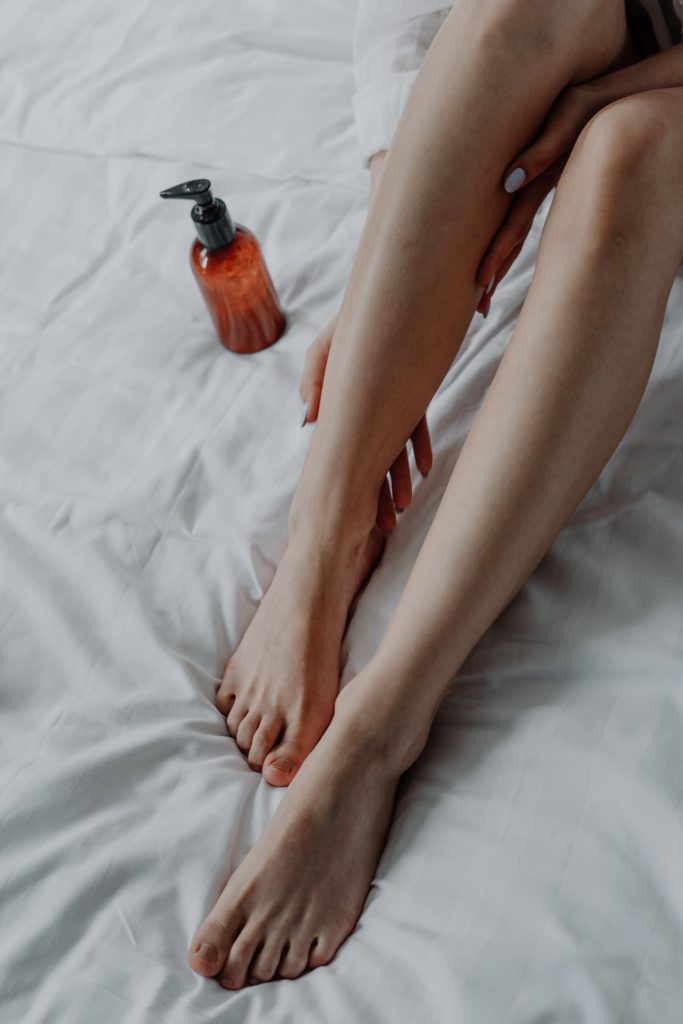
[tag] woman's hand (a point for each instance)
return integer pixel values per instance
(536, 170)
(391, 499)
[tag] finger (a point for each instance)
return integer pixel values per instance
(386, 515)
(555, 170)
(515, 227)
(557, 136)
(511, 234)
(313, 403)
(401, 485)
(509, 260)
(311, 384)
(422, 446)
(544, 184)
(484, 297)
(484, 304)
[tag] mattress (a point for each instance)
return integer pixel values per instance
(533, 869)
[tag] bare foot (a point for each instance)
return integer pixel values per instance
(300, 890)
(280, 685)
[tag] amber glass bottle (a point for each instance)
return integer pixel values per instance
(229, 268)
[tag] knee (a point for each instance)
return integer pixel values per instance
(539, 27)
(626, 164)
(639, 133)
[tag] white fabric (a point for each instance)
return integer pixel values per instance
(532, 873)
(391, 40)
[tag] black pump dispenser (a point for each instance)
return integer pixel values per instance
(212, 221)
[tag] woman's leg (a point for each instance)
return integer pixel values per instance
(492, 72)
(566, 388)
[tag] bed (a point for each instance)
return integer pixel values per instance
(533, 872)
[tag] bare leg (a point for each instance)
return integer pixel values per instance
(563, 395)
(566, 390)
(494, 69)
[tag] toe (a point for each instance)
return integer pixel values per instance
(321, 952)
(246, 730)
(211, 944)
(265, 962)
(227, 691)
(264, 738)
(295, 959)
(225, 698)
(237, 713)
(234, 973)
(284, 761)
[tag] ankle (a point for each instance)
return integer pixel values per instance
(390, 731)
(334, 521)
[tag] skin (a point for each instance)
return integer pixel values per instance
(564, 393)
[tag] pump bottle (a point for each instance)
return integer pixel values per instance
(229, 268)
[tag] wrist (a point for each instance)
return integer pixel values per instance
(661, 71)
(597, 94)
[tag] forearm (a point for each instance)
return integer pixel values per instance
(661, 71)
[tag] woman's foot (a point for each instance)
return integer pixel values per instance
(299, 892)
(280, 685)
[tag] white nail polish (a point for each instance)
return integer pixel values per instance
(490, 285)
(514, 179)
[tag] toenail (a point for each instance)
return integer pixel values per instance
(227, 983)
(282, 766)
(207, 952)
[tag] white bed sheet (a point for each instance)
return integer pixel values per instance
(533, 871)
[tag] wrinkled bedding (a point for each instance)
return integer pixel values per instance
(533, 871)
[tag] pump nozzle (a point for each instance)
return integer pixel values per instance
(199, 190)
(212, 221)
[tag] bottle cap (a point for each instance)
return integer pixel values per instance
(212, 221)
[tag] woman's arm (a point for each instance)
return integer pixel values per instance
(576, 105)
(662, 71)
(536, 170)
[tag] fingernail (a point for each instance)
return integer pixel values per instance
(486, 313)
(490, 285)
(208, 953)
(303, 422)
(514, 179)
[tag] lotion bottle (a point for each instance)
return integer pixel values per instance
(228, 266)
